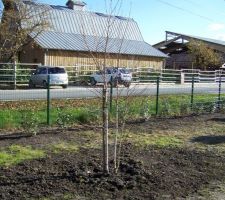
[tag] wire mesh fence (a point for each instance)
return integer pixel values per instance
(31, 109)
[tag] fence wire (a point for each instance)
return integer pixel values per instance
(27, 109)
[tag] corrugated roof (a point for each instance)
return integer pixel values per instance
(219, 42)
(78, 42)
(68, 28)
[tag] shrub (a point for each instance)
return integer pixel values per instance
(30, 122)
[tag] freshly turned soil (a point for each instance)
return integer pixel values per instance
(150, 173)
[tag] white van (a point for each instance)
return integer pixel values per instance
(118, 75)
(58, 77)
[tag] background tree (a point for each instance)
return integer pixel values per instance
(18, 22)
(203, 56)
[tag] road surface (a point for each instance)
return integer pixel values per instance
(90, 92)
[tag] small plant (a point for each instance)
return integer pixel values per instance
(87, 115)
(185, 109)
(212, 107)
(145, 111)
(83, 117)
(166, 109)
(63, 118)
(30, 122)
(198, 108)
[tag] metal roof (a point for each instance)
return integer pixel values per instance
(220, 42)
(68, 28)
(78, 42)
(189, 37)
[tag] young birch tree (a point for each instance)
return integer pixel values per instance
(102, 46)
(99, 51)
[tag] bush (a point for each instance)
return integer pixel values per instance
(30, 122)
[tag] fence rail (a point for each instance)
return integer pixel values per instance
(19, 73)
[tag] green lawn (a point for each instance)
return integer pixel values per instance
(28, 114)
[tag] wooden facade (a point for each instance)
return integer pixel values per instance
(88, 61)
(32, 53)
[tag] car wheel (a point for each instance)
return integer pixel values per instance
(115, 82)
(31, 84)
(127, 84)
(45, 84)
(93, 81)
(64, 86)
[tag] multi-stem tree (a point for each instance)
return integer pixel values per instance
(100, 53)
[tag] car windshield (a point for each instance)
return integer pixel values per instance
(57, 70)
(124, 71)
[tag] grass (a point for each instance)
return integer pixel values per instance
(178, 136)
(16, 154)
(67, 112)
(64, 147)
(9, 119)
(144, 140)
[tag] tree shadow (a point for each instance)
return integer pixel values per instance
(14, 136)
(217, 119)
(209, 139)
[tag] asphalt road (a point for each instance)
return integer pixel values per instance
(90, 92)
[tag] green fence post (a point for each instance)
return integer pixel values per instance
(48, 100)
(219, 92)
(192, 91)
(157, 96)
(111, 93)
(14, 74)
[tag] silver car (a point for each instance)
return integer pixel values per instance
(58, 77)
(117, 75)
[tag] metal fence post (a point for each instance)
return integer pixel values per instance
(157, 96)
(48, 100)
(14, 75)
(192, 91)
(219, 92)
(111, 94)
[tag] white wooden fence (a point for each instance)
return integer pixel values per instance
(19, 73)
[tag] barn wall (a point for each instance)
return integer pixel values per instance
(70, 58)
(184, 60)
(32, 54)
(179, 61)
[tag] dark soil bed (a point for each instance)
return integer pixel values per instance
(150, 173)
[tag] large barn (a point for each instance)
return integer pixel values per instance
(77, 37)
(175, 46)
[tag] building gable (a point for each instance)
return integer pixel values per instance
(80, 30)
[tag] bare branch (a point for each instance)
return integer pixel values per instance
(18, 22)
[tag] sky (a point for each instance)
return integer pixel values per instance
(204, 18)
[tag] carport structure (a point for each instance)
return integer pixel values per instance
(175, 46)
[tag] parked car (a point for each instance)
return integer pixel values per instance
(58, 77)
(116, 75)
(223, 66)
